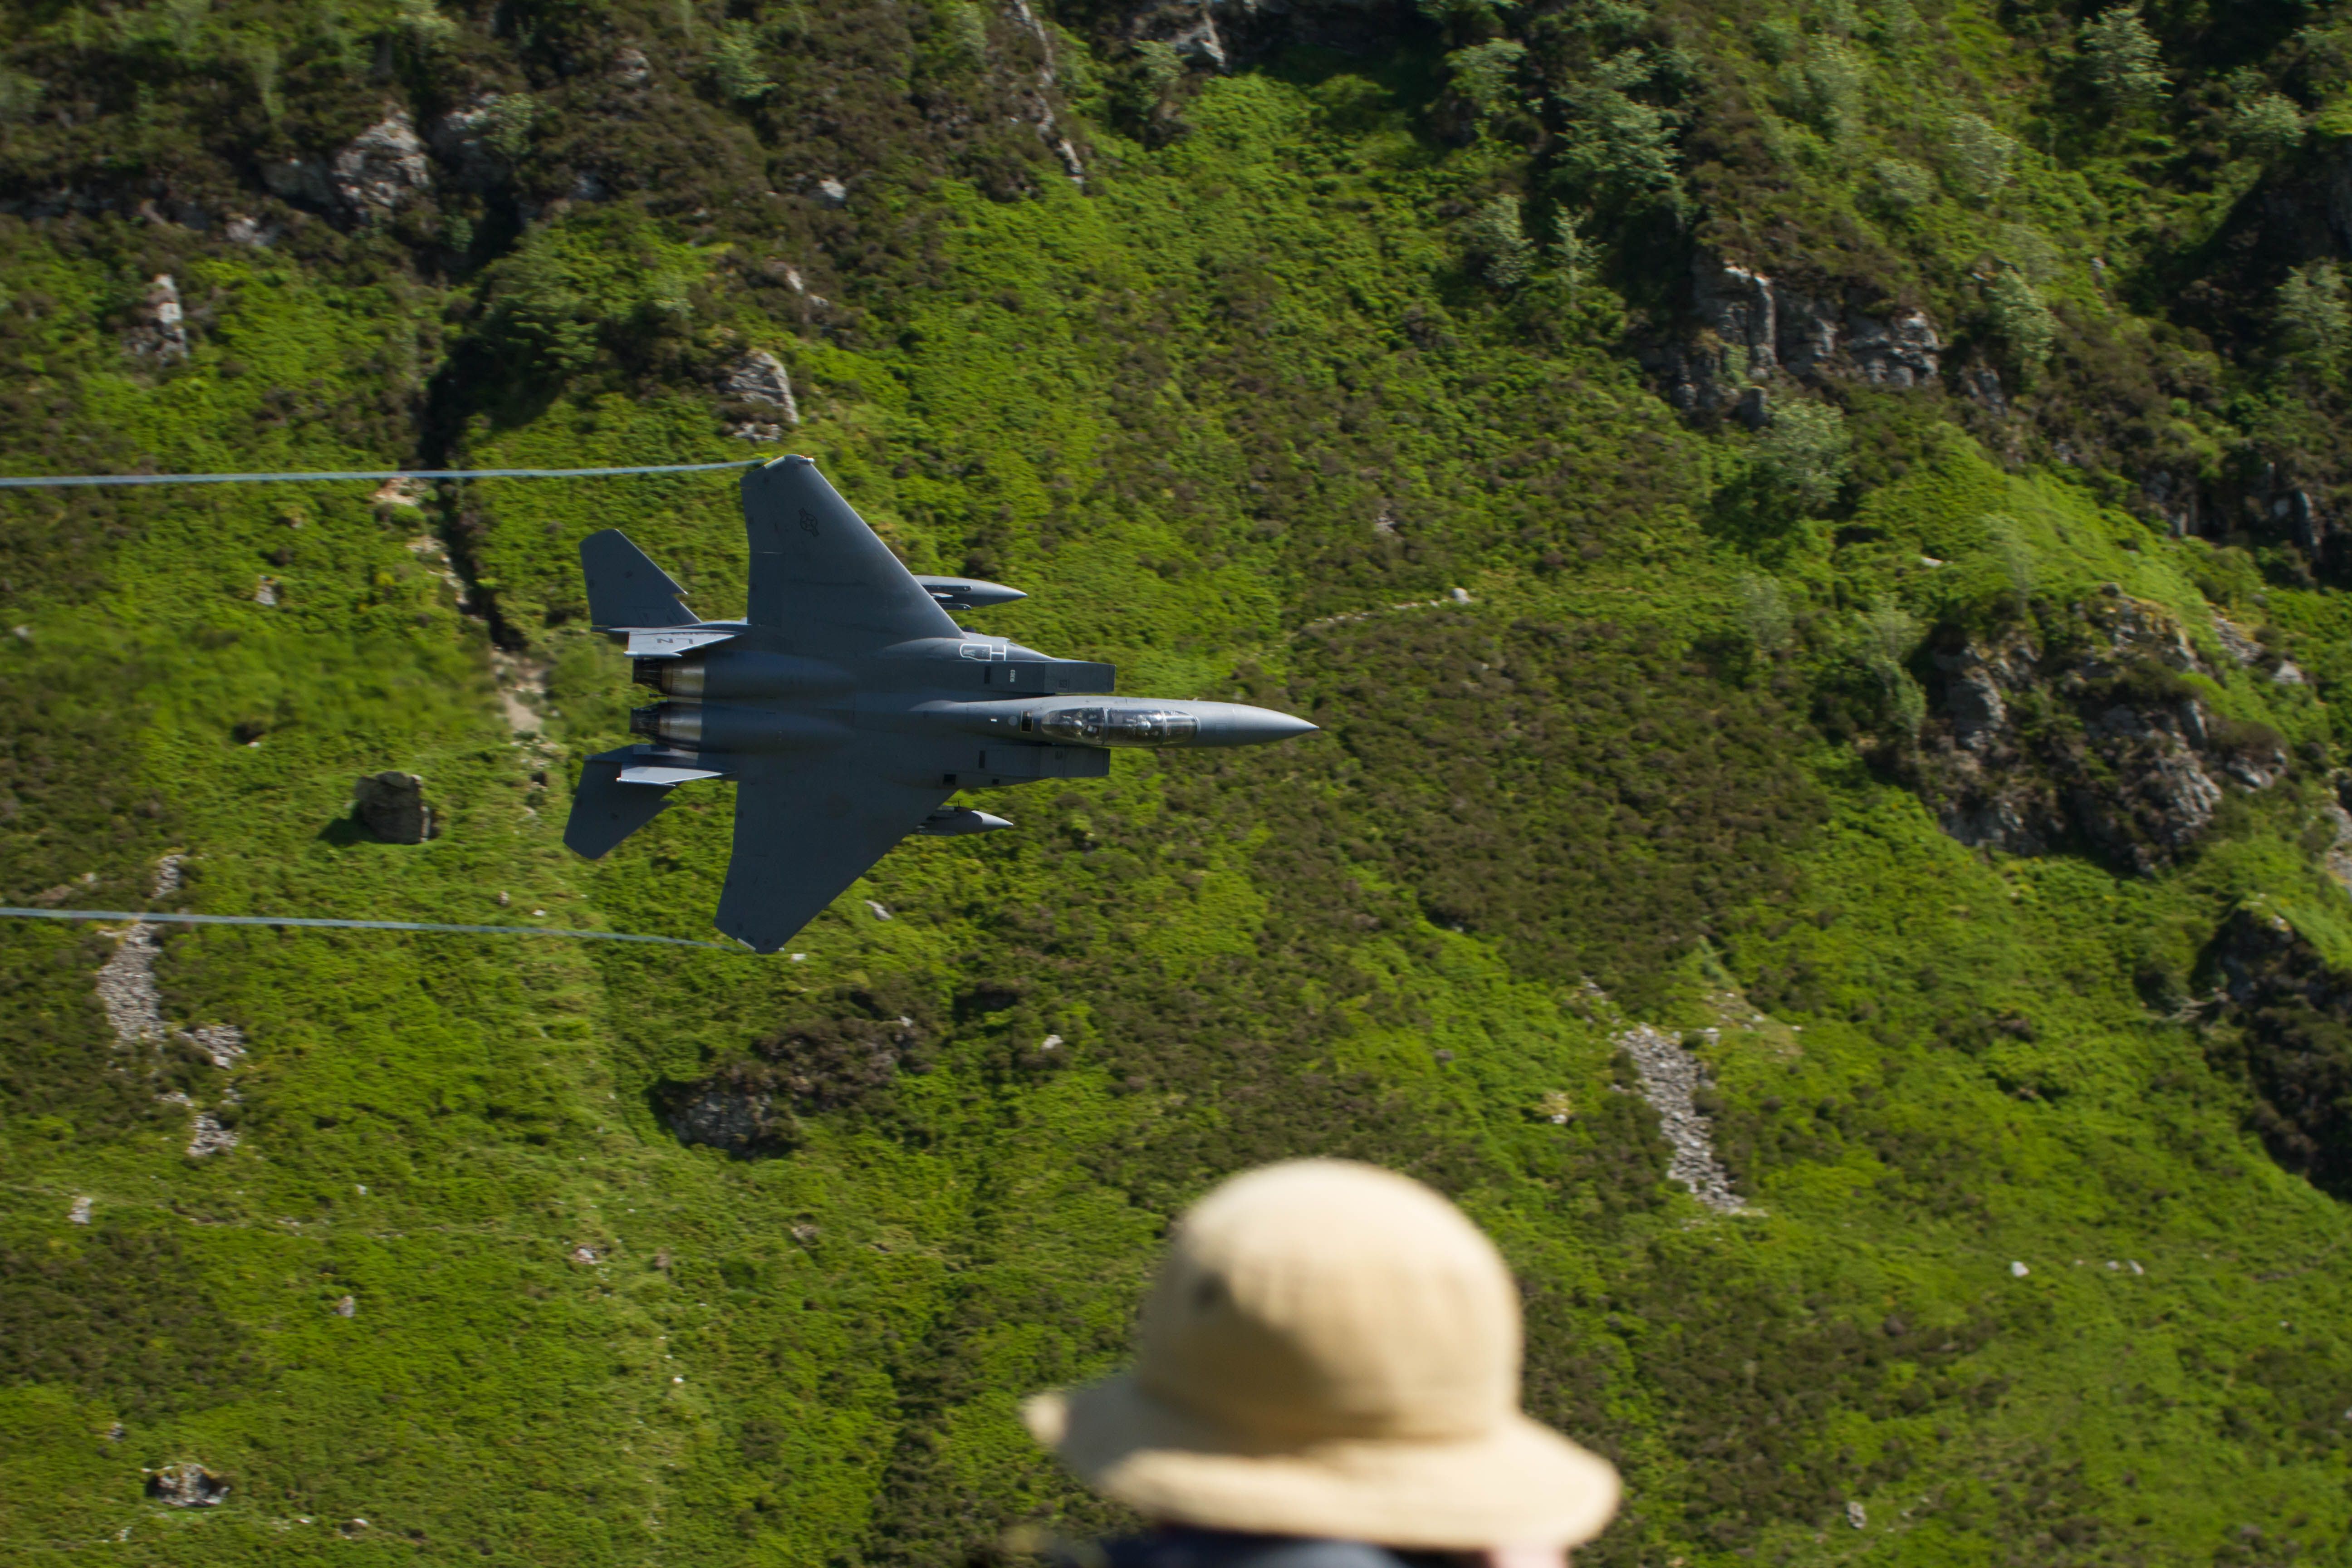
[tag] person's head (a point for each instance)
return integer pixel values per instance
(1331, 1349)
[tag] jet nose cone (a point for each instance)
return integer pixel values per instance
(1272, 726)
(1236, 725)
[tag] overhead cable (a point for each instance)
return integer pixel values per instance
(145, 918)
(71, 481)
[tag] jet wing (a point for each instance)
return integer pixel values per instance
(820, 575)
(805, 830)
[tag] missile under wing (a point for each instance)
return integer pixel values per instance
(847, 706)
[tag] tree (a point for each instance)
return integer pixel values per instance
(1804, 450)
(2008, 547)
(2121, 57)
(1575, 249)
(1764, 613)
(1486, 75)
(1498, 237)
(735, 64)
(1977, 156)
(2313, 317)
(1887, 636)
(2020, 317)
(1615, 144)
(2267, 125)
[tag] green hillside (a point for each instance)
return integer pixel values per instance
(1812, 532)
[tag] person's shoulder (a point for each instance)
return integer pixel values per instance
(1225, 1549)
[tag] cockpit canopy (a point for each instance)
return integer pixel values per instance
(1118, 727)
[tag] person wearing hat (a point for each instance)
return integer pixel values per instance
(1327, 1376)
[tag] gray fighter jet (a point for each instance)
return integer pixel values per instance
(847, 706)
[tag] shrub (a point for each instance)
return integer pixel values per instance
(20, 95)
(968, 30)
(422, 25)
(1161, 65)
(1826, 89)
(1887, 637)
(1901, 186)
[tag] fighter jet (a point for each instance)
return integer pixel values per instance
(846, 705)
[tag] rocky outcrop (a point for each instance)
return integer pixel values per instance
(2100, 744)
(392, 805)
(1753, 328)
(378, 172)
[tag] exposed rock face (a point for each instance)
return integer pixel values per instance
(392, 805)
(2031, 748)
(2285, 1030)
(1753, 328)
(161, 334)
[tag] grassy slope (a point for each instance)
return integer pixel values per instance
(1238, 954)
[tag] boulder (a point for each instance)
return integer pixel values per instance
(382, 168)
(186, 1485)
(391, 804)
(759, 377)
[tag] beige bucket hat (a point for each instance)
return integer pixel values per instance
(1331, 1349)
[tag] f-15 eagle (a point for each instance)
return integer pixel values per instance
(846, 705)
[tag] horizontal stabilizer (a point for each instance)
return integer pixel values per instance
(668, 643)
(625, 588)
(604, 810)
(664, 778)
